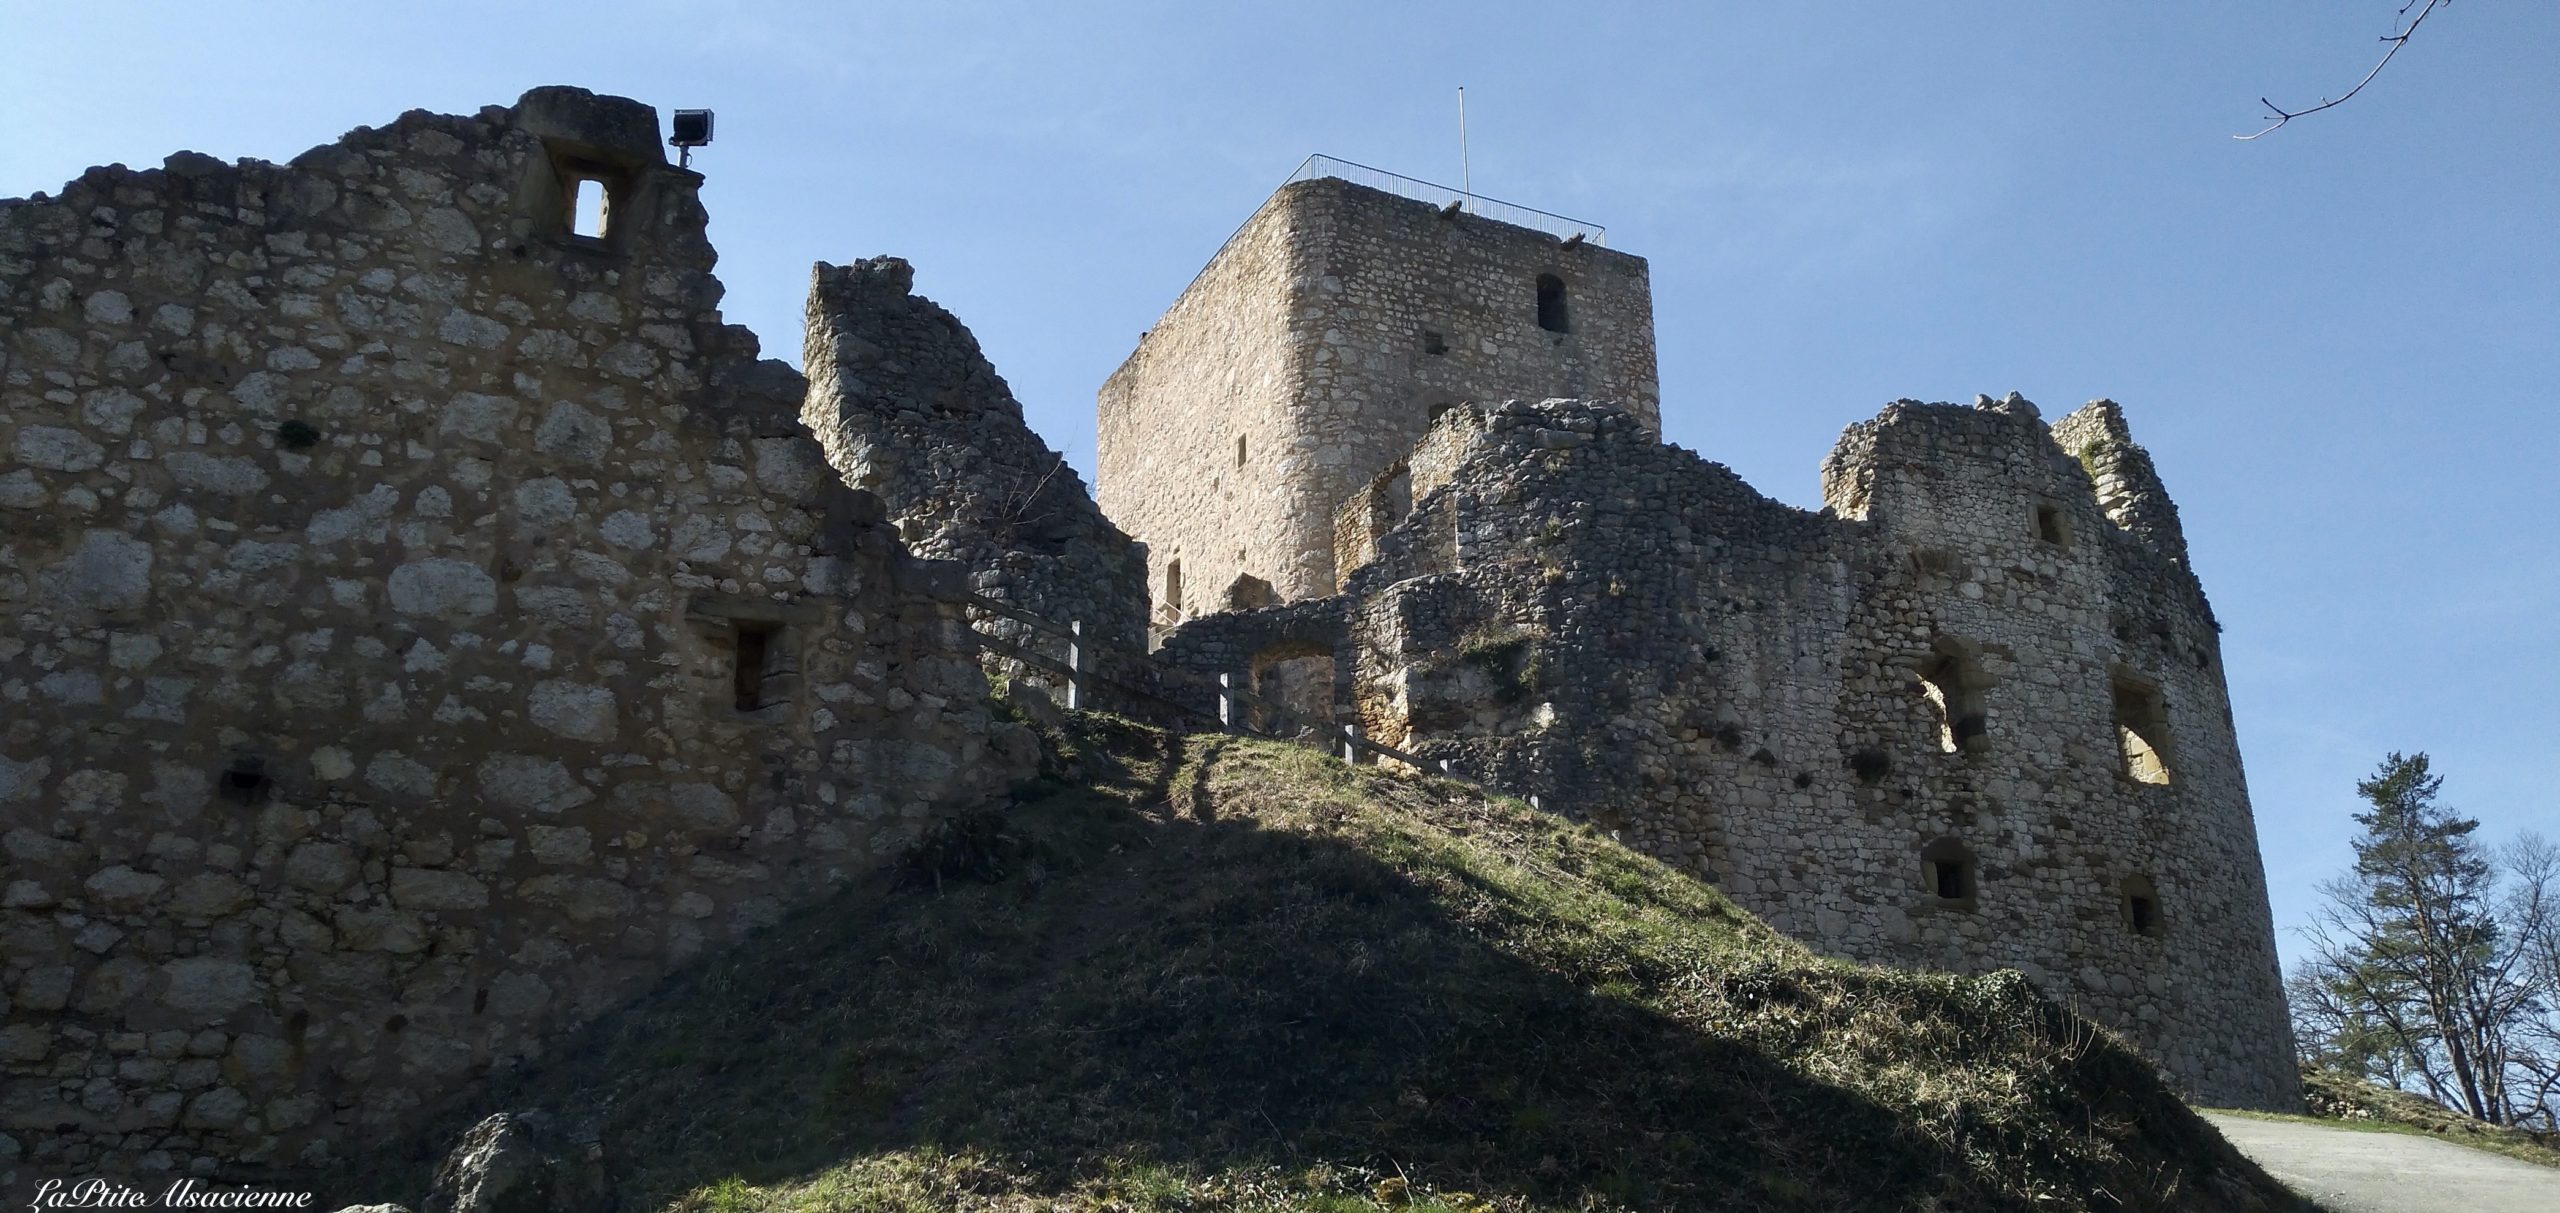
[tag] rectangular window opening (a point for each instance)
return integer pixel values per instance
(2146, 918)
(1434, 343)
(1955, 683)
(2051, 525)
(588, 208)
(1553, 313)
(2142, 731)
(1947, 867)
(753, 646)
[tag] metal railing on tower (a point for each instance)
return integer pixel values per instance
(1563, 227)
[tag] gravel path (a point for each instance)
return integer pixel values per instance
(2351, 1172)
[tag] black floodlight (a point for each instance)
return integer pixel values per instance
(692, 130)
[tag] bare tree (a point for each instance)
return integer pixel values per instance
(2532, 865)
(2399, 37)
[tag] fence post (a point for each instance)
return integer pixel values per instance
(1075, 665)
(1226, 703)
(1351, 743)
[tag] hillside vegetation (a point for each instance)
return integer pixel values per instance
(1210, 973)
(2337, 1098)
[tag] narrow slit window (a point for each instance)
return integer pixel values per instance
(2142, 731)
(1552, 315)
(1173, 591)
(1239, 450)
(752, 652)
(588, 208)
(2142, 906)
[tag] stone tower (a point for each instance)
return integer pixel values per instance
(1315, 349)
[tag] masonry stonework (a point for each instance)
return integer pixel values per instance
(1314, 350)
(1967, 717)
(426, 626)
(1970, 715)
(909, 409)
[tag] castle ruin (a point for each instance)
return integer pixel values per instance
(1314, 350)
(1970, 715)
(428, 624)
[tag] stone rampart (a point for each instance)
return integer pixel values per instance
(427, 624)
(1962, 720)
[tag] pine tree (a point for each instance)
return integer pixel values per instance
(2424, 969)
(2430, 939)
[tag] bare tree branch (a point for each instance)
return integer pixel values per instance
(2397, 40)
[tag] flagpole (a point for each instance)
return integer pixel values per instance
(1466, 181)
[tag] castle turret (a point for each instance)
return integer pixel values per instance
(1315, 349)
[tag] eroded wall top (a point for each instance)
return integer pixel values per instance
(1972, 715)
(910, 410)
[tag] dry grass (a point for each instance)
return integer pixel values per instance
(2345, 1102)
(1193, 973)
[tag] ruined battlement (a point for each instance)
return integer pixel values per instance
(428, 624)
(909, 409)
(1968, 716)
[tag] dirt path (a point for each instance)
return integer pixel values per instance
(2352, 1172)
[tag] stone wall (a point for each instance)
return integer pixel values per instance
(1315, 349)
(426, 625)
(1919, 729)
(1291, 656)
(1180, 423)
(909, 409)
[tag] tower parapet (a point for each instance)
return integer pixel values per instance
(1311, 354)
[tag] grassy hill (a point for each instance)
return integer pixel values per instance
(1210, 973)
(2346, 1101)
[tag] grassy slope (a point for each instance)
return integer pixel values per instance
(1209, 973)
(2346, 1102)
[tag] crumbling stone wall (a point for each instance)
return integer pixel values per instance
(1294, 656)
(2129, 488)
(426, 625)
(1902, 730)
(1315, 349)
(909, 409)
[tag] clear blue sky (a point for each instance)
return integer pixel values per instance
(2341, 342)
